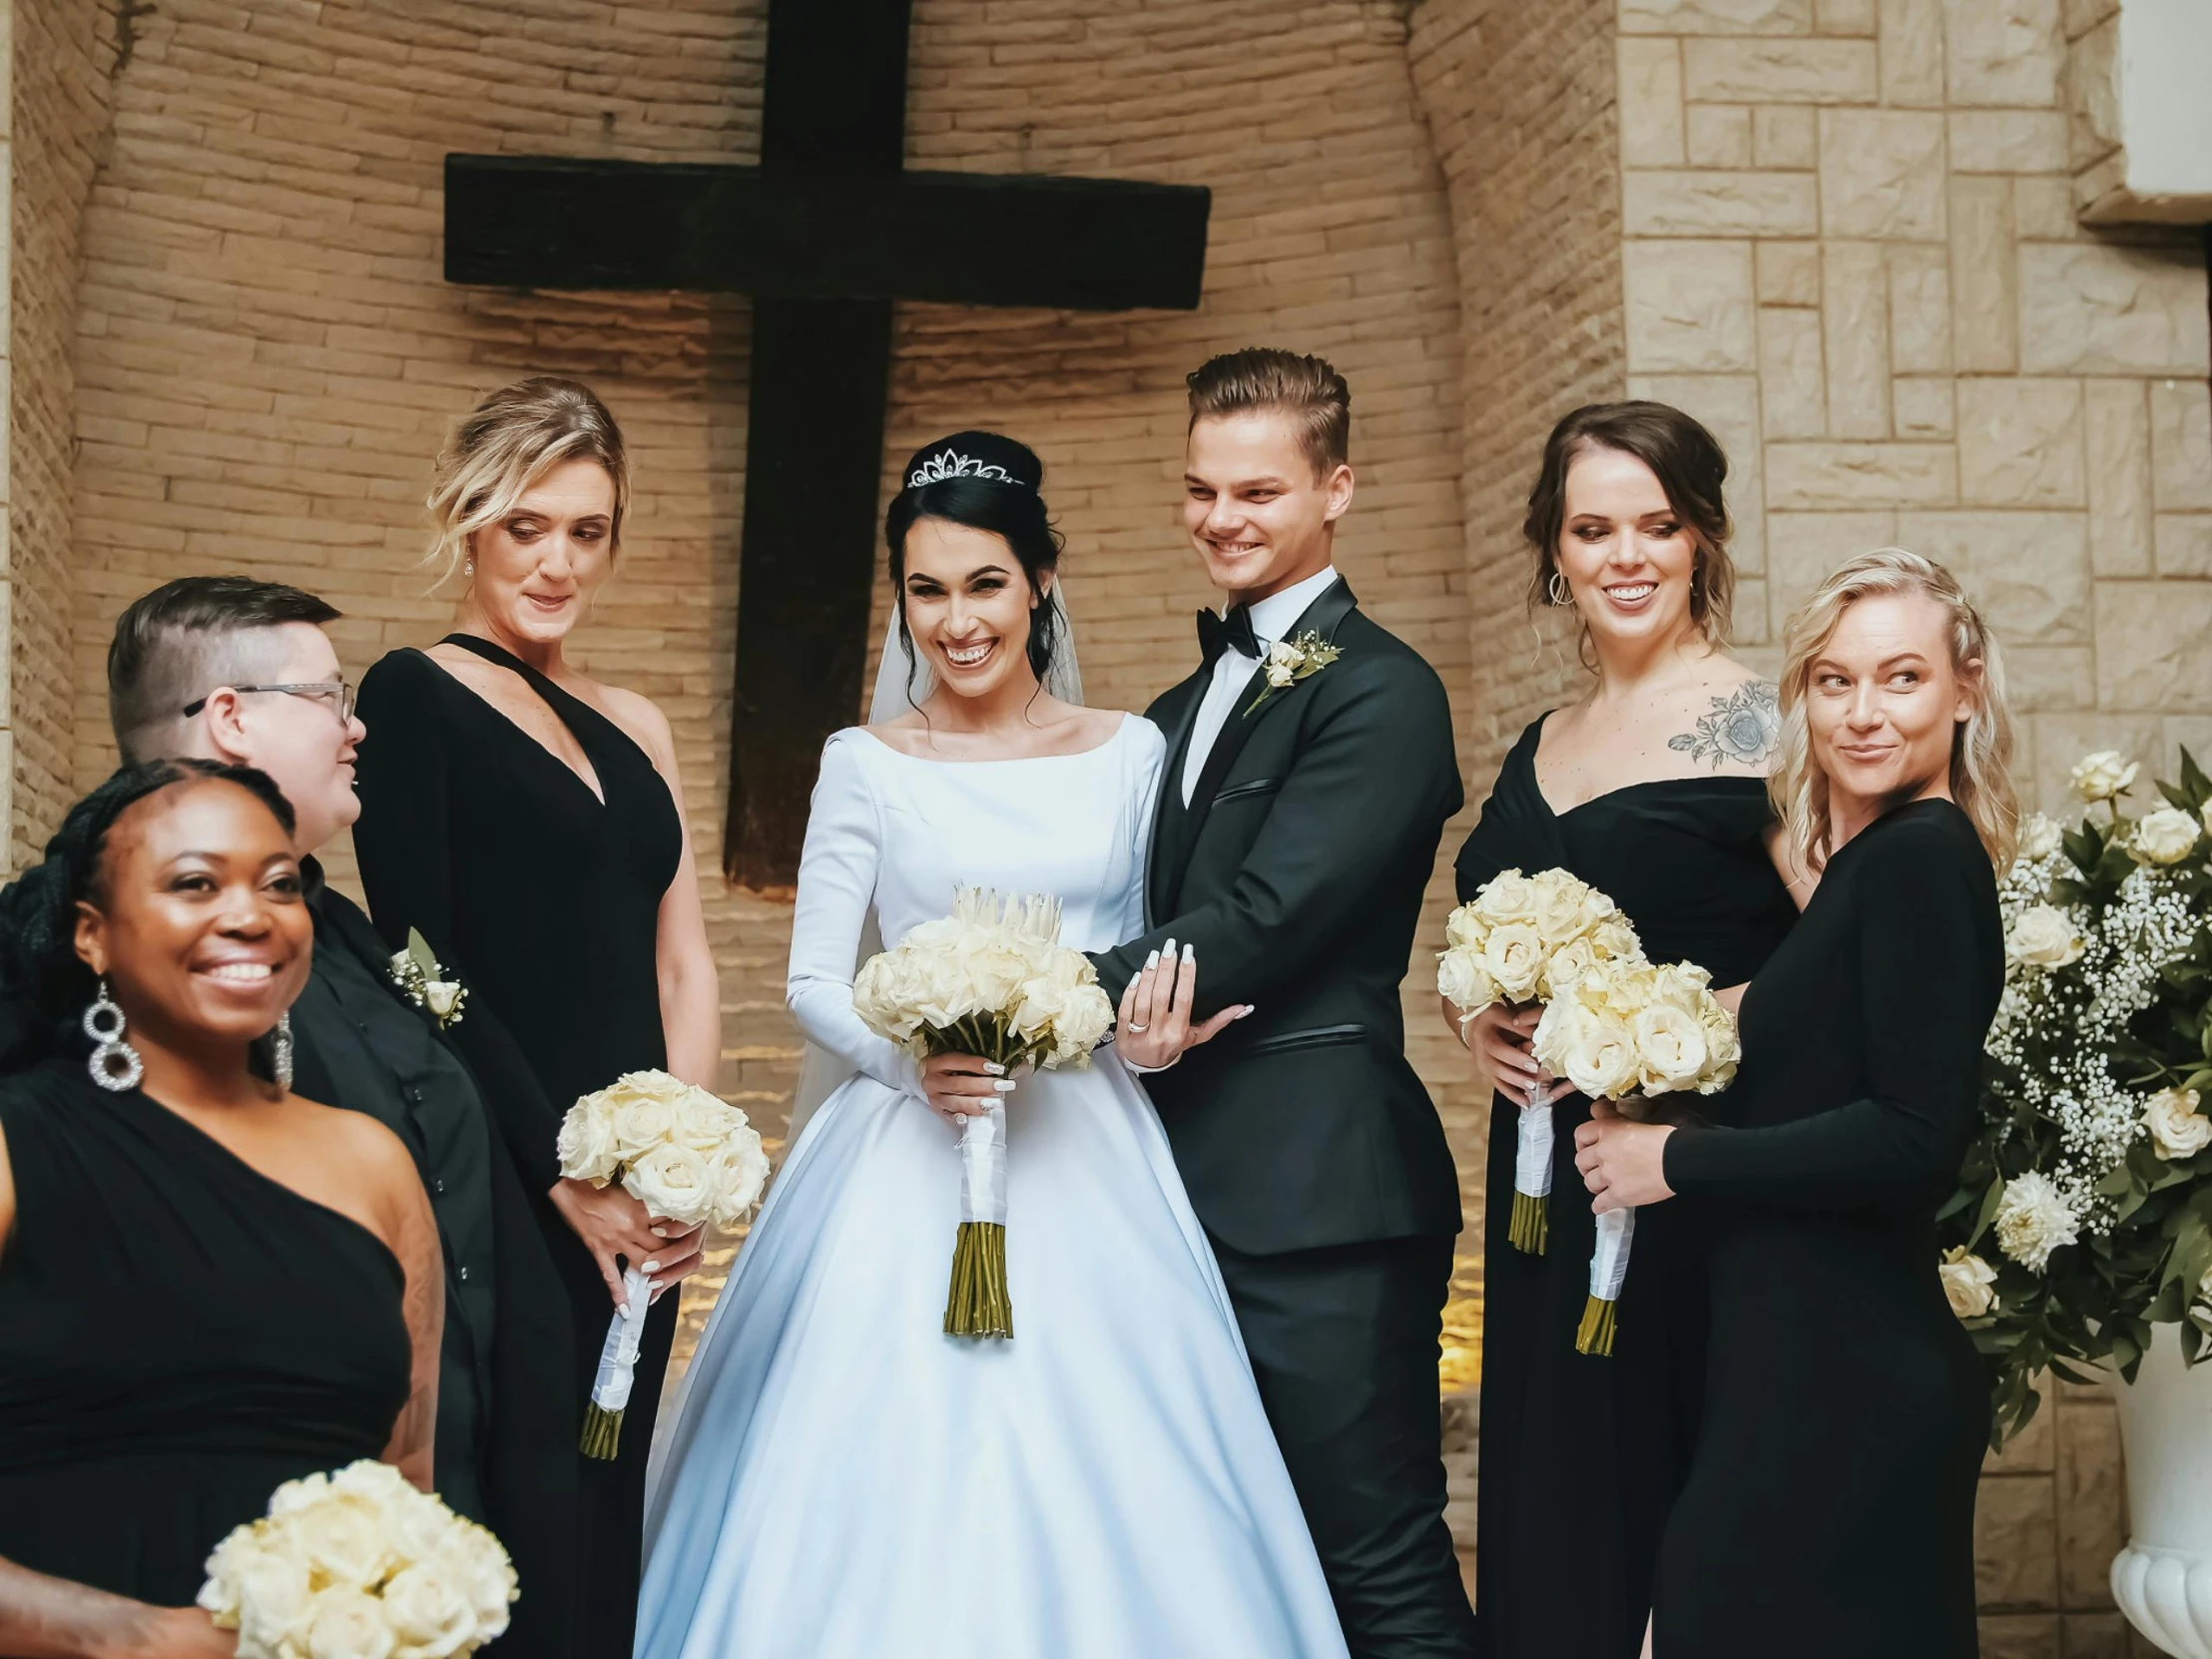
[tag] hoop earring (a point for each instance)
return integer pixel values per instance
(1557, 591)
(280, 1051)
(114, 1065)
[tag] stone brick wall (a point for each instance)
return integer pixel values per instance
(64, 57)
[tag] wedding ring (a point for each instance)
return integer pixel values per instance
(1134, 1026)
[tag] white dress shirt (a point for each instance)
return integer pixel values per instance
(1271, 618)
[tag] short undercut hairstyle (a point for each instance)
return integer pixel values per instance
(1308, 389)
(185, 639)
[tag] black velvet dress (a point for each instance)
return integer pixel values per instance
(1829, 1508)
(179, 1335)
(545, 899)
(1583, 1454)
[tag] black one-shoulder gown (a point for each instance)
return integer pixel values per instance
(179, 1335)
(545, 898)
(1829, 1508)
(1583, 1454)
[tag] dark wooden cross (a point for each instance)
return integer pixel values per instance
(825, 234)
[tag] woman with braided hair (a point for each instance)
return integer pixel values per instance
(208, 1286)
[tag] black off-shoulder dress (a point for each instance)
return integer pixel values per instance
(1583, 1454)
(179, 1335)
(1829, 1508)
(545, 898)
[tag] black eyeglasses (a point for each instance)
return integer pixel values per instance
(332, 693)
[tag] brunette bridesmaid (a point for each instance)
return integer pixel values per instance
(1652, 787)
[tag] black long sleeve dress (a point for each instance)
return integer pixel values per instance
(179, 1335)
(1582, 1454)
(545, 899)
(1829, 1513)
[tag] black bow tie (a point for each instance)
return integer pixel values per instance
(1217, 634)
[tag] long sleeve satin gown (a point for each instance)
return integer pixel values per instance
(1829, 1513)
(544, 896)
(1583, 1454)
(845, 1481)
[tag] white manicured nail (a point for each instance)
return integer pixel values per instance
(1170, 947)
(1190, 953)
(995, 1068)
(1152, 961)
(649, 1267)
(1005, 1085)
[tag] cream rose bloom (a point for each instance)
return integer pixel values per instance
(671, 1180)
(1464, 981)
(1283, 659)
(342, 1539)
(487, 1575)
(1594, 1053)
(1082, 1025)
(1565, 908)
(735, 1173)
(444, 996)
(586, 1142)
(1566, 964)
(2041, 837)
(1466, 927)
(2103, 775)
(2033, 1220)
(1615, 941)
(1514, 956)
(2165, 837)
(1969, 1282)
(351, 1624)
(430, 1611)
(1507, 896)
(1670, 1047)
(2042, 937)
(2177, 1128)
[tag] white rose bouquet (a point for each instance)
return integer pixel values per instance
(992, 980)
(358, 1566)
(1630, 1027)
(684, 1153)
(1520, 940)
(2083, 1212)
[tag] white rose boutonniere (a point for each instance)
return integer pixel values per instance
(2177, 1128)
(1969, 1282)
(421, 980)
(2043, 937)
(2105, 775)
(2165, 837)
(1290, 660)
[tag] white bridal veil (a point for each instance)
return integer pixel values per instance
(900, 685)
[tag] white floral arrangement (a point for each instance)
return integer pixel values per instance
(1614, 1025)
(2083, 1214)
(992, 980)
(688, 1157)
(358, 1566)
(1519, 940)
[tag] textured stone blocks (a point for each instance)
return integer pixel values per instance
(1882, 175)
(2113, 309)
(1689, 307)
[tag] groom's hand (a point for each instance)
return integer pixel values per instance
(1154, 1029)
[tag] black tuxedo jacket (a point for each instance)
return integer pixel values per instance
(1297, 872)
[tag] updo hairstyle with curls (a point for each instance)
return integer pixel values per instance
(1691, 468)
(985, 481)
(512, 439)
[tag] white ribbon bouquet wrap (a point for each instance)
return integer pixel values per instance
(1625, 1028)
(358, 1566)
(688, 1157)
(992, 980)
(1519, 940)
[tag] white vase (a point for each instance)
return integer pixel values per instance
(2163, 1578)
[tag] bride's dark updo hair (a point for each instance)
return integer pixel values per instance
(985, 482)
(45, 985)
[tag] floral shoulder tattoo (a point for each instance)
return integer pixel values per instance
(1743, 727)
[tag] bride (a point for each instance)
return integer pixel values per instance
(842, 1479)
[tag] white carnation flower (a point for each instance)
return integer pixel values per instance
(2045, 936)
(2177, 1128)
(2165, 837)
(2033, 1220)
(2103, 775)
(1969, 1282)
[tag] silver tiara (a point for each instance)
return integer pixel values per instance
(952, 464)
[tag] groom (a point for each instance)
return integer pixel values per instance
(1298, 825)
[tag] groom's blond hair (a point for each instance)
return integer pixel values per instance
(1306, 389)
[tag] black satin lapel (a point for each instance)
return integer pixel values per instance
(1169, 846)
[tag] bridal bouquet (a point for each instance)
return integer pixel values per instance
(2083, 1213)
(1520, 940)
(358, 1566)
(1627, 1027)
(688, 1157)
(993, 980)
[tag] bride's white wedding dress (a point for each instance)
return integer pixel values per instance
(844, 1481)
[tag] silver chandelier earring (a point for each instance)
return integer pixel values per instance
(115, 1064)
(1557, 591)
(280, 1051)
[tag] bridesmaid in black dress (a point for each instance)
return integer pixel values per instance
(208, 1286)
(1652, 789)
(1829, 1513)
(528, 821)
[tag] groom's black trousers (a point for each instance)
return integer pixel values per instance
(1344, 1345)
